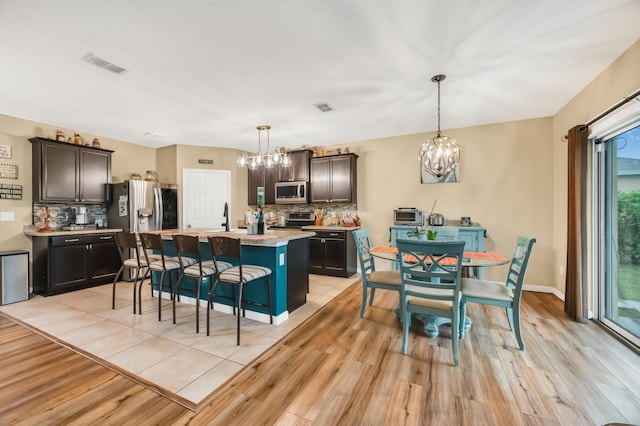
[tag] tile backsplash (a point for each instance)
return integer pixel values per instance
(334, 209)
(60, 214)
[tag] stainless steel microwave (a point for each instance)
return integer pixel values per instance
(292, 192)
(408, 216)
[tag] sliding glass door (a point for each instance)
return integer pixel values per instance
(617, 231)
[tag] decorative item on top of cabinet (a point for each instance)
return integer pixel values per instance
(151, 176)
(65, 173)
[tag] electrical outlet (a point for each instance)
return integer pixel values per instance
(7, 216)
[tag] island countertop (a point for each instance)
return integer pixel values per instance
(271, 238)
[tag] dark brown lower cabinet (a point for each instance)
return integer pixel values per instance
(332, 253)
(297, 273)
(71, 262)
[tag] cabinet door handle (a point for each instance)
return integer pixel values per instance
(72, 240)
(106, 238)
(334, 235)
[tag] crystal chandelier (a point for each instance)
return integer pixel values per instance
(439, 156)
(266, 159)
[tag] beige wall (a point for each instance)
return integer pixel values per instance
(504, 185)
(620, 79)
(16, 134)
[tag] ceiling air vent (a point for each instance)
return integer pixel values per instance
(324, 107)
(93, 59)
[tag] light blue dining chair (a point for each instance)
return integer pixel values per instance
(508, 295)
(430, 274)
(372, 279)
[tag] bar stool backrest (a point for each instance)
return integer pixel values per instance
(152, 242)
(188, 245)
(226, 247)
(127, 240)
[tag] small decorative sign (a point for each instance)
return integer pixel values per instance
(11, 192)
(203, 161)
(8, 171)
(5, 151)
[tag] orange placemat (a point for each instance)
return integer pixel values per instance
(467, 254)
(385, 249)
(484, 255)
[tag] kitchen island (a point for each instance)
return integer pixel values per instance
(286, 253)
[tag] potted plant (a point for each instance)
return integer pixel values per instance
(422, 233)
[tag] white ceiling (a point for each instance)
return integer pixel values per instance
(207, 72)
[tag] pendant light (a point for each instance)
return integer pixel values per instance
(266, 159)
(439, 156)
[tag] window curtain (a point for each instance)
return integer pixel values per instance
(575, 303)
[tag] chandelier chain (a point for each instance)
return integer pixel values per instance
(438, 108)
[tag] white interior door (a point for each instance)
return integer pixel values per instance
(204, 195)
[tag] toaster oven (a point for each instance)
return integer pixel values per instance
(408, 216)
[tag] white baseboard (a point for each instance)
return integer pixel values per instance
(545, 289)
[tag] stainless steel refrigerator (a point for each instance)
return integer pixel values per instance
(140, 206)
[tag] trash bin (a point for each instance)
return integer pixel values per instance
(14, 276)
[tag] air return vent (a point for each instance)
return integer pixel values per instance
(324, 107)
(93, 59)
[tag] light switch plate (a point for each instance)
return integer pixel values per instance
(281, 259)
(7, 216)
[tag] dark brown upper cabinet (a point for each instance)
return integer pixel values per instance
(333, 179)
(66, 173)
(298, 171)
(267, 178)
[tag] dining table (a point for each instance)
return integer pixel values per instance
(471, 259)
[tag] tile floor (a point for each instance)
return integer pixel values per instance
(170, 356)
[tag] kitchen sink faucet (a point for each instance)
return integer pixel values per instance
(226, 217)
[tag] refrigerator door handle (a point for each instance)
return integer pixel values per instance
(158, 200)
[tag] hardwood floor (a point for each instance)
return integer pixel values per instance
(340, 369)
